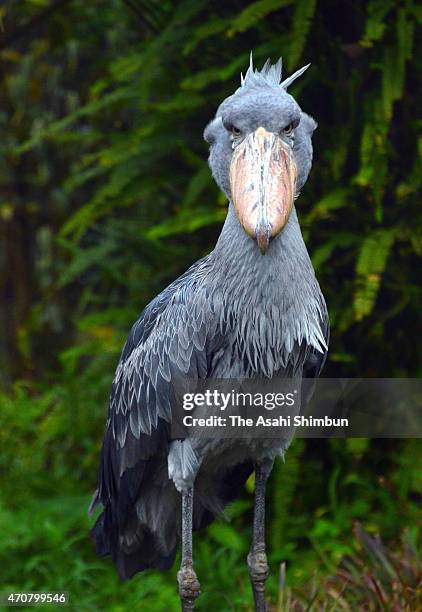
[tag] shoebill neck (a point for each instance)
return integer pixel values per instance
(286, 264)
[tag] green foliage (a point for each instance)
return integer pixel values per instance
(255, 12)
(49, 441)
(372, 578)
(370, 266)
(301, 22)
(106, 197)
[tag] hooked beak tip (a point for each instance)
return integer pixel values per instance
(262, 237)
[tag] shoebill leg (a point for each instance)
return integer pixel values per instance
(257, 558)
(189, 587)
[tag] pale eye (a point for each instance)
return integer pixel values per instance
(288, 130)
(235, 131)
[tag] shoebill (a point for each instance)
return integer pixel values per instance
(251, 308)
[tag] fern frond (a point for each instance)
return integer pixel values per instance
(370, 266)
(301, 22)
(254, 13)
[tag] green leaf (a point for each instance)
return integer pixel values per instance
(331, 201)
(377, 11)
(45, 133)
(324, 252)
(206, 77)
(254, 13)
(302, 19)
(203, 32)
(186, 221)
(370, 266)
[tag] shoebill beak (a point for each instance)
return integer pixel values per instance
(263, 179)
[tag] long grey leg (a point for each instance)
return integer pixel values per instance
(189, 587)
(257, 558)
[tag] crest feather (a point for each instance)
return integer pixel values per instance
(294, 76)
(270, 74)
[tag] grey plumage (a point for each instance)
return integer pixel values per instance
(235, 313)
(270, 75)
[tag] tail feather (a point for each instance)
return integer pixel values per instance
(146, 544)
(129, 563)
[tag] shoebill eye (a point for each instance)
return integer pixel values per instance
(288, 130)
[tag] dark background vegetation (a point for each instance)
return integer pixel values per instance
(105, 197)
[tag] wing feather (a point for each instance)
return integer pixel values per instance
(167, 343)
